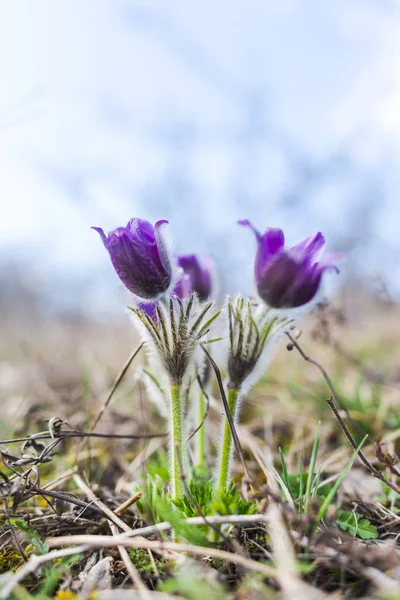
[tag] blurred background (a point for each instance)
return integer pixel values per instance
(202, 113)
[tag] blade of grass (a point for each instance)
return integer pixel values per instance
(284, 468)
(301, 484)
(311, 468)
(316, 482)
(338, 483)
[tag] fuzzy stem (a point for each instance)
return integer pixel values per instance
(226, 448)
(176, 441)
(201, 434)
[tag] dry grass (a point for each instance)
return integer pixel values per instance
(77, 500)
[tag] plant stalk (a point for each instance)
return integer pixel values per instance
(226, 448)
(201, 434)
(176, 441)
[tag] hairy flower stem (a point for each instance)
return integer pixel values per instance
(226, 448)
(176, 441)
(201, 434)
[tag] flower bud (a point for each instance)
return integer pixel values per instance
(140, 258)
(288, 277)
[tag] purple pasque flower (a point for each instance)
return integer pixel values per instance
(182, 289)
(288, 277)
(200, 276)
(140, 257)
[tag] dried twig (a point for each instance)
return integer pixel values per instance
(100, 505)
(34, 563)
(329, 383)
(375, 472)
(106, 541)
(130, 567)
(132, 500)
(112, 517)
(64, 497)
(196, 521)
(76, 433)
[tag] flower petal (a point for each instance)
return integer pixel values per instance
(312, 246)
(102, 235)
(273, 239)
(164, 250)
(183, 287)
(150, 309)
(141, 229)
(277, 279)
(305, 286)
(270, 243)
(200, 277)
(247, 223)
(328, 262)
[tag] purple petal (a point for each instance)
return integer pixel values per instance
(141, 229)
(328, 262)
(247, 223)
(102, 235)
(312, 246)
(162, 246)
(305, 286)
(160, 223)
(150, 309)
(183, 287)
(277, 278)
(273, 239)
(270, 243)
(200, 276)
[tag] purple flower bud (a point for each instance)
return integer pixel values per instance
(183, 287)
(288, 278)
(140, 257)
(200, 277)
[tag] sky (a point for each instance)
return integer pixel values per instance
(281, 111)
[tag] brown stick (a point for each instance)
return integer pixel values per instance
(107, 541)
(361, 455)
(328, 382)
(120, 509)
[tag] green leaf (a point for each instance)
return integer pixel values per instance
(230, 502)
(158, 467)
(354, 524)
(295, 484)
(31, 534)
(178, 522)
(284, 468)
(311, 468)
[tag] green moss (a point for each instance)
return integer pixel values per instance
(142, 562)
(9, 561)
